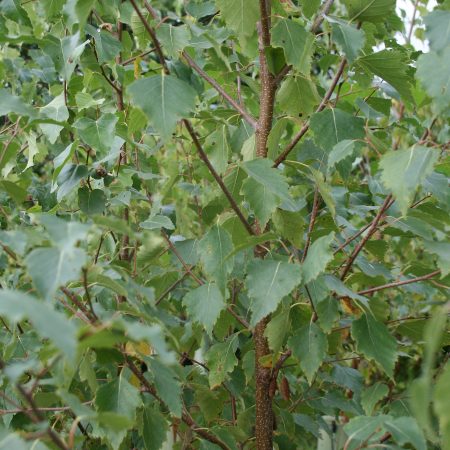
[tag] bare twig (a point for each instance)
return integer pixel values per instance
(371, 230)
(399, 283)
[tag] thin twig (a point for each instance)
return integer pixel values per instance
(190, 128)
(399, 283)
(312, 222)
(239, 108)
(364, 240)
(217, 177)
(320, 108)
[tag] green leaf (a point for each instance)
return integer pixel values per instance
(17, 193)
(240, 15)
(266, 188)
(438, 30)
(164, 99)
(405, 430)
(289, 225)
(324, 190)
(436, 82)
(154, 427)
(157, 222)
(221, 361)
(204, 305)
(91, 202)
(211, 403)
(273, 180)
(371, 395)
(403, 171)
(167, 385)
(56, 110)
(440, 405)
(363, 428)
(442, 250)
(12, 104)
(173, 39)
(65, 53)
(348, 38)
(268, 282)
(51, 268)
(69, 177)
(392, 67)
(298, 96)
(213, 250)
(374, 341)
(332, 126)
(106, 46)
(309, 345)
(341, 151)
(319, 255)
(262, 201)
(296, 42)
(277, 329)
(98, 134)
(369, 10)
(328, 312)
(17, 306)
(218, 148)
(120, 398)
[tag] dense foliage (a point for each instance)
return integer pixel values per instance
(223, 225)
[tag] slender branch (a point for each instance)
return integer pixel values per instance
(321, 16)
(190, 128)
(40, 418)
(170, 289)
(217, 177)
(72, 297)
(185, 416)
(238, 107)
(8, 143)
(312, 222)
(399, 283)
(152, 34)
(198, 280)
(316, 24)
(371, 230)
(43, 409)
(188, 420)
(187, 268)
(132, 59)
(320, 108)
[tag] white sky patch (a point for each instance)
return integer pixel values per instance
(408, 7)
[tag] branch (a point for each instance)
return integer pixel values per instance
(316, 24)
(268, 87)
(152, 34)
(312, 222)
(217, 177)
(371, 230)
(239, 108)
(399, 283)
(189, 127)
(185, 415)
(198, 280)
(319, 18)
(320, 108)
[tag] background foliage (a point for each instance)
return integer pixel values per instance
(144, 235)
